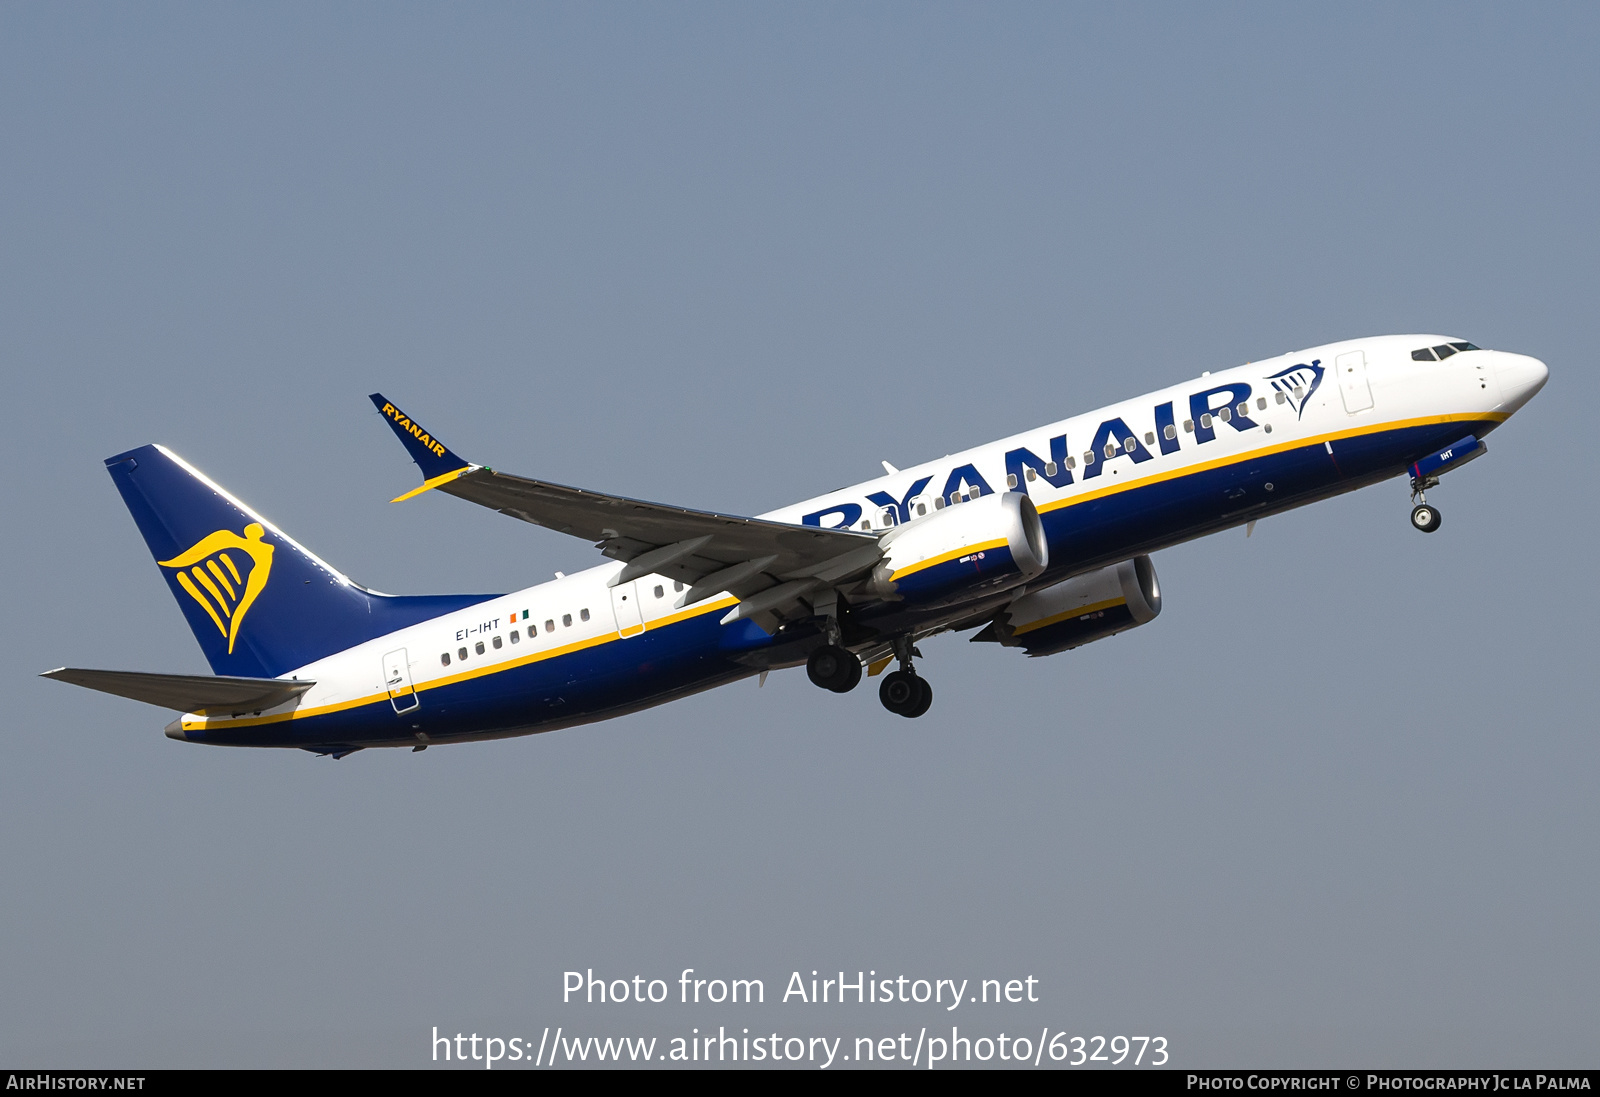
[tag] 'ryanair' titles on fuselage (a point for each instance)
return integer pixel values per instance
(1228, 403)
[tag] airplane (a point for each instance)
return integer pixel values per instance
(1039, 542)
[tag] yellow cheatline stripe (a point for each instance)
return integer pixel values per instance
(953, 554)
(1081, 611)
(211, 566)
(429, 485)
(1267, 451)
(194, 592)
(477, 672)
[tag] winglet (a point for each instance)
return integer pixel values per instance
(438, 464)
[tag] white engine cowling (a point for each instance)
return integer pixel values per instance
(964, 551)
(1080, 610)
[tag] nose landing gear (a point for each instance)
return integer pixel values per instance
(904, 692)
(1424, 516)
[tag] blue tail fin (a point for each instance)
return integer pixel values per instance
(259, 603)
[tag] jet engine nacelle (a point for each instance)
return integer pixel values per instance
(964, 551)
(1080, 610)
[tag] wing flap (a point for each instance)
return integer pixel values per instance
(202, 693)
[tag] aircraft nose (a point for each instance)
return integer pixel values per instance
(1520, 378)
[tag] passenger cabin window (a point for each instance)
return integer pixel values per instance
(566, 620)
(497, 644)
(1149, 437)
(1050, 468)
(1225, 414)
(677, 587)
(1111, 449)
(1169, 432)
(1030, 474)
(938, 503)
(1011, 479)
(1243, 409)
(1205, 421)
(866, 523)
(660, 591)
(549, 625)
(1280, 396)
(478, 647)
(514, 636)
(1072, 463)
(1088, 458)
(583, 615)
(1188, 426)
(444, 660)
(1261, 403)
(462, 655)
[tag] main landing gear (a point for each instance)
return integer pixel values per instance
(904, 692)
(833, 667)
(1425, 516)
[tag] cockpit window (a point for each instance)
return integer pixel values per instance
(1441, 352)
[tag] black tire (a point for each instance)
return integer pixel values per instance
(924, 698)
(1425, 517)
(900, 692)
(853, 666)
(833, 668)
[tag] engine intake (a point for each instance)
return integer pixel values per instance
(965, 551)
(1080, 610)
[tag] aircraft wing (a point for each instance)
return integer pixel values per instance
(201, 693)
(769, 565)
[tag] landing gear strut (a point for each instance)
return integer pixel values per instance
(1425, 516)
(904, 692)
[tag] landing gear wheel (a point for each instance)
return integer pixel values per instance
(832, 667)
(924, 698)
(1425, 516)
(905, 694)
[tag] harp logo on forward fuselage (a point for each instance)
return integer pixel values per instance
(1298, 384)
(224, 573)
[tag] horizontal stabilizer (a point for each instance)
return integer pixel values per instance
(202, 693)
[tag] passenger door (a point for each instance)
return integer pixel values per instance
(1352, 370)
(397, 679)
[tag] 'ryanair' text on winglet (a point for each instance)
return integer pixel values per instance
(438, 464)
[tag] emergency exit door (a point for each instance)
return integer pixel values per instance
(397, 679)
(1352, 370)
(625, 604)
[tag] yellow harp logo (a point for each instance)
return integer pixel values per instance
(210, 574)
